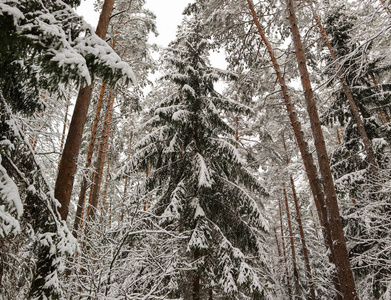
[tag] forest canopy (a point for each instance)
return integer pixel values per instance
(116, 184)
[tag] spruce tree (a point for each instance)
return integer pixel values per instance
(198, 179)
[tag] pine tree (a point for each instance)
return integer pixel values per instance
(198, 181)
(45, 45)
(363, 194)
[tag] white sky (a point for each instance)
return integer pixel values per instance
(168, 17)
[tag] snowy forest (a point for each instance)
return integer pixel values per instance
(134, 171)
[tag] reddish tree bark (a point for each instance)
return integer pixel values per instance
(311, 169)
(349, 95)
(68, 163)
(84, 184)
(65, 119)
(301, 229)
(288, 282)
(101, 157)
(338, 246)
(295, 272)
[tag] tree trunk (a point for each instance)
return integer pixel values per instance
(68, 163)
(237, 128)
(338, 245)
(349, 95)
(210, 294)
(91, 146)
(277, 243)
(84, 184)
(65, 119)
(126, 179)
(303, 242)
(288, 282)
(107, 178)
(101, 157)
(295, 272)
(311, 169)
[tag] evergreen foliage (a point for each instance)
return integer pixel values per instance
(362, 194)
(179, 214)
(199, 182)
(372, 99)
(28, 217)
(44, 44)
(42, 38)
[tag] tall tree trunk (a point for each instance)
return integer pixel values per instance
(68, 163)
(126, 179)
(65, 119)
(288, 282)
(303, 242)
(101, 157)
(311, 169)
(91, 146)
(84, 184)
(277, 243)
(302, 236)
(340, 253)
(294, 263)
(349, 95)
(107, 178)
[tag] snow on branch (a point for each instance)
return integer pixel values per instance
(204, 177)
(11, 207)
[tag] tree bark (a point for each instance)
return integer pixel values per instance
(65, 119)
(126, 179)
(338, 246)
(349, 95)
(288, 282)
(302, 236)
(303, 242)
(295, 272)
(68, 163)
(310, 167)
(101, 157)
(84, 184)
(107, 178)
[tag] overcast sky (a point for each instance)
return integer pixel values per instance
(168, 16)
